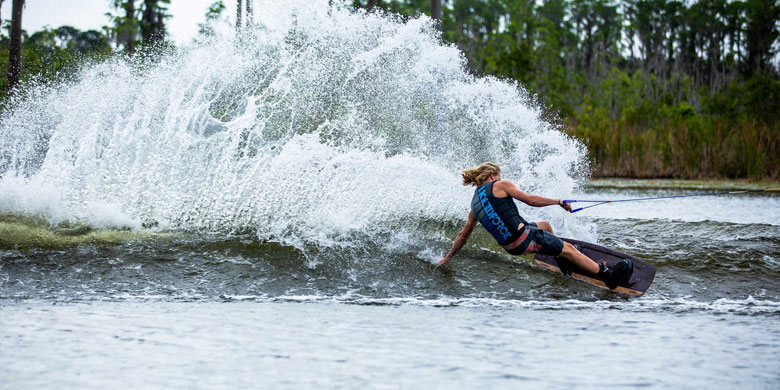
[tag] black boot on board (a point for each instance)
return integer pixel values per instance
(616, 275)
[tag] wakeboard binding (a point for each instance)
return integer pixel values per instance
(616, 275)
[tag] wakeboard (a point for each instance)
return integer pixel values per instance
(640, 280)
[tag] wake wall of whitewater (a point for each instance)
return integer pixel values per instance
(320, 125)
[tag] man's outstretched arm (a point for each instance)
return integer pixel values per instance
(463, 236)
(531, 200)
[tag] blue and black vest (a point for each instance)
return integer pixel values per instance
(498, 215)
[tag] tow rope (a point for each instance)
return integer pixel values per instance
(601, 202)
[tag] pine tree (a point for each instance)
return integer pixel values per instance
(15, 47)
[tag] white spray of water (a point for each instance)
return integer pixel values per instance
(321, 124)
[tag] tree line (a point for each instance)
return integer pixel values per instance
(655, 88)
(50, 52)
(142, 21)
(133, 24)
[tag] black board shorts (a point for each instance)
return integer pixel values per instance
(538, 241)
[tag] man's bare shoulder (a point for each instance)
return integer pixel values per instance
(501, 188)
(503, 184)
(505, 187)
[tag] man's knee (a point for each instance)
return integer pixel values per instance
(568, 251)
(545, 225)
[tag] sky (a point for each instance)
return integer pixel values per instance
(91, 14)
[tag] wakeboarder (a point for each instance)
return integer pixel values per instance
(493, 206)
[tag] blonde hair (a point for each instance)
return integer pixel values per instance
(481, 174)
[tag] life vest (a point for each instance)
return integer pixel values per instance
(498, 215)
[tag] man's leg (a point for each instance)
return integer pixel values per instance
(578, 258)
(613, 276)
(569, 252)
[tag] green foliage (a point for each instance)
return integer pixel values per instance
(138, 21)
(653, 87)
(215, 10)
(213, 14)
(52, 54)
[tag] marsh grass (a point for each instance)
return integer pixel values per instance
(681, 149)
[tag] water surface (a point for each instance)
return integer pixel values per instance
(293, 345)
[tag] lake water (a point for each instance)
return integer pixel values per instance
(187, 313)
(333, 345)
